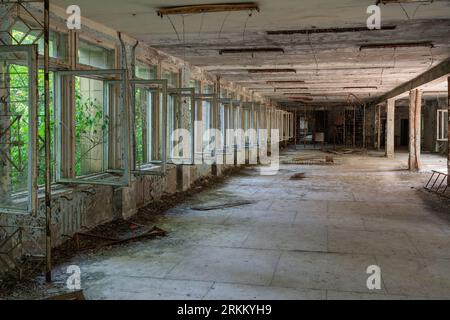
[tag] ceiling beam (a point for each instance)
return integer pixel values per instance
(439, 71)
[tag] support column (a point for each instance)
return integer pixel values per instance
(390, 129)
(415, 107)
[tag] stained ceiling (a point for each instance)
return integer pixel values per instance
(311, 68)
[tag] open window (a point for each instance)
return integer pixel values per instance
(249, 124)
(182, 117)
(227, 126)
(92, 127)
(205, 108)
(149, 134)
(263, 129)
(239, 125)
(18, 129)
(442, 125)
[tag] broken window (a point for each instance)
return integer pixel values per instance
(93, 136)
(442, 125)
(18, 128)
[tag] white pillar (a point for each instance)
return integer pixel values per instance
(390, 128)
(415, 107)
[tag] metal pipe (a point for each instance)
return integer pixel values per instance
(48, 176)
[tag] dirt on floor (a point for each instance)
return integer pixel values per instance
(100, 238)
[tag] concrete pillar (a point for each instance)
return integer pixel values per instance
(415, 107)
(390, 129)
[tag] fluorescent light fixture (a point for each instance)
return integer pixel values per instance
(358, 87)
(427, 44)
(402, 1)
(301, 98)
(290, 88)
(251, 50)
(272, 71)
(328, 30)
(207, 8)
(284, 81)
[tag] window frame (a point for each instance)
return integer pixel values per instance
(442, 116)
(95, 178)
(91, 42)
(32, 188)
(190, 93)
(229, 122)
(212, 99)
(163, 84)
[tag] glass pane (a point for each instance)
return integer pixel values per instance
(91, 125)
(143, 104)
(145, 71)
(57, 44)
(96, 116)
(196, 84)
(16, 131)
(180, 113)
(95, 56)
(41, 129)
(171, 77)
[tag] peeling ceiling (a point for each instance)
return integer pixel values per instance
(326, 66)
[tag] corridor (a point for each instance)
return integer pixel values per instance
(311, 238)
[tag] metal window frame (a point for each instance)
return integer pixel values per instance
(123, 97)
(32, 187)
(190, 93)
(441, 120)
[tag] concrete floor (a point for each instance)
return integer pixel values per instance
(301, 239)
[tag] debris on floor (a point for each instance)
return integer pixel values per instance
(298, 176)
(313, 162)
(309, 159)
(84, 240)
(342, 151)
(222, 205)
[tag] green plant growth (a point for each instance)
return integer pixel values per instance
(91, 126)
(141, 126)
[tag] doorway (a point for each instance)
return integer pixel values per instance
(404, 132)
